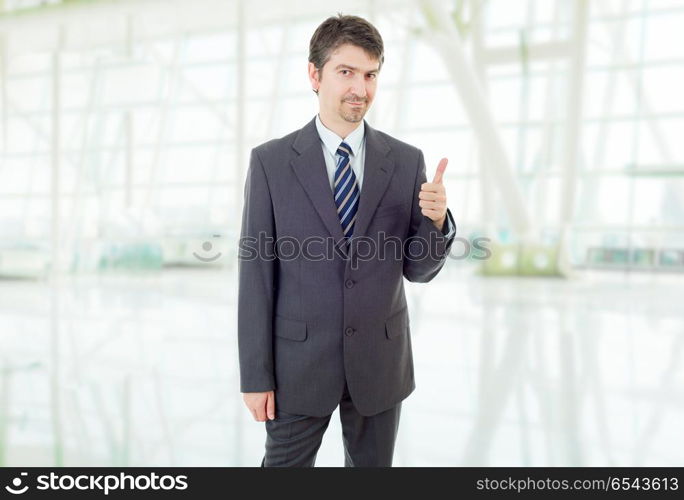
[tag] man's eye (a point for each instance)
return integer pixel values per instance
(345, 71)
(373, 75)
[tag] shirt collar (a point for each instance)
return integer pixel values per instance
(332, 141)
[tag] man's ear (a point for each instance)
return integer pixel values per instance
(314, 75)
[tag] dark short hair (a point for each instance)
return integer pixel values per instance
(340, 30)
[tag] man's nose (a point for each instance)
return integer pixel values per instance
(358, 88)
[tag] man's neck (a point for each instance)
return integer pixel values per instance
(341, 128)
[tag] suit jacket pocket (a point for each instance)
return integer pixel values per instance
(397, 324)
(291, 329)
(383, 210)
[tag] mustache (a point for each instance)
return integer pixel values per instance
(355, 99)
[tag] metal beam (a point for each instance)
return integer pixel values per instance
(446, 40)
(56, 261)
(574, 106)
(3, 90)
(479, 66)
(535, 52)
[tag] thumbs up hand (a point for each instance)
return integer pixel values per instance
(433, 200)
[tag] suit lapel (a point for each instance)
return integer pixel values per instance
(309, 167)
(377, 172)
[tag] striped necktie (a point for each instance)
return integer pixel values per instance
(346, 190)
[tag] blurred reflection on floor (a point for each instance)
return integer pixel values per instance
(509, 372)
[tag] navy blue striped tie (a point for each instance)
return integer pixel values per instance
(346, 190)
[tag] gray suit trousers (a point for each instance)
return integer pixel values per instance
(293, 440)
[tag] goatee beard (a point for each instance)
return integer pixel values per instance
(352, 117)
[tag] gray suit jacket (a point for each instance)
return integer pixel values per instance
(310, 317)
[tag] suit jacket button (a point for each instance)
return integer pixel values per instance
(349, 283)
(349, 332)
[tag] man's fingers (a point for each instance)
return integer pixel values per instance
(260, 413)
(270, 406)
(432, 214)
(431, 196)
(430, 204)
(440, 171)
(260, 404)
(431, 187)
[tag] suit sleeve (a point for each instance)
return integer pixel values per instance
(449, 229)
(256, 283)
(426, 248)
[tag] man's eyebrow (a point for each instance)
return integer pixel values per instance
(346, 66)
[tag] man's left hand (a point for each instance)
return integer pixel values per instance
(433, 200)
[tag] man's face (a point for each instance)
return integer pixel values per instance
(346, 84)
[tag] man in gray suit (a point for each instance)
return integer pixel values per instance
(335, 216)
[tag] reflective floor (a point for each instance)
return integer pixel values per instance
(141, 371)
